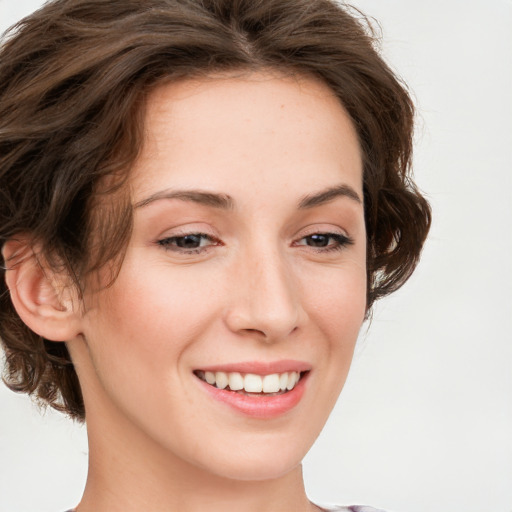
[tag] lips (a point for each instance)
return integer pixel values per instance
(261, 390)
(260, 367)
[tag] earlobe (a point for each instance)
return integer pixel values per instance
(43, 299)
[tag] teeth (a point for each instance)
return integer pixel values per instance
(221, 380)
(291, 381)
(271, 383)
(236, 381)
(252, 383)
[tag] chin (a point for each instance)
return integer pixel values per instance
(253, 471)
(256, 462)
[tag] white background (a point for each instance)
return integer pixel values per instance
(425, 421)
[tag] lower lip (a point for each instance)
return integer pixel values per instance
(259, 406)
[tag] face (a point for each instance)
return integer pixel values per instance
(245, 272)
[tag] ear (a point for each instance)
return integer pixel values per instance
(45, 300)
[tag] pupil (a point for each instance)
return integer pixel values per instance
(319, 240)
(189, 241)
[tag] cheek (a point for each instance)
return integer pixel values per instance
(336, 309)
(138, 337)
(153, 315)
(337, 300)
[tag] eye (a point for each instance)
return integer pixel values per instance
(325, 241)
(190, 243)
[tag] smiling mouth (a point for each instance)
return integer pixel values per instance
(250, 383)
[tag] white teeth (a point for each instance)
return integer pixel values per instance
(221, 380)
(236, 381)
(291, 380)
(283, 381)
(271, 383)
(252, 383)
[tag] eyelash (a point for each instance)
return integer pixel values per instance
(171, 243)
(342, 241)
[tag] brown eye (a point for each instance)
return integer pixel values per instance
(325, 241)
(189, 241)
(192, 242)
(318, 240)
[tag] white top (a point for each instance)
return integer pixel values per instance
(351, 508)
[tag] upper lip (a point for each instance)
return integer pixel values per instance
(260, 367)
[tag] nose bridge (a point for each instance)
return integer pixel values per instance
(267, 300)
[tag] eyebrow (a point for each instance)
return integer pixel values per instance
(222, 201)
(327, 195)
(226, 202)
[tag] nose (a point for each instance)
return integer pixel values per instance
(266, 301)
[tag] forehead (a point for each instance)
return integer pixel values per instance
(237, 131)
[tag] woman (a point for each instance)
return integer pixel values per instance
(201, 200)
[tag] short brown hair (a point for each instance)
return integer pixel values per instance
(73, 79)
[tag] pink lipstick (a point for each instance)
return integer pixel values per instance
(257, 389)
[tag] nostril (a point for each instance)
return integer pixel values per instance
(255, 331)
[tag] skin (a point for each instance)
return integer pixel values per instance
(257, 289)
